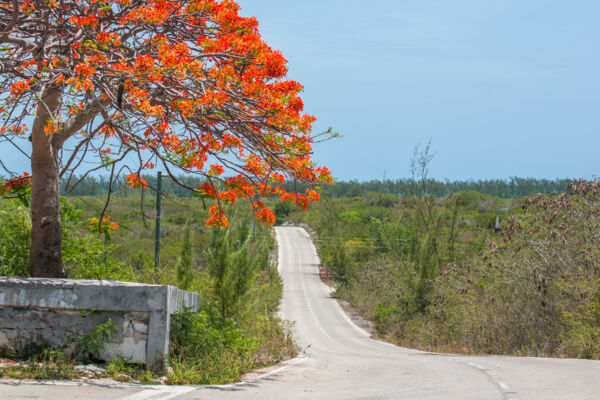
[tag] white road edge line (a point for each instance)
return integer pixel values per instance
(485, 371)
(160, 393)
(330, 290)
(476, 366)
(292, 362)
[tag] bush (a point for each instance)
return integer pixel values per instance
(15, 238)
(282, 210)
(207, 349)
(536, 292)
(235, 329)
(92, 344)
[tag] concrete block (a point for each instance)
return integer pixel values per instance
(51, 312)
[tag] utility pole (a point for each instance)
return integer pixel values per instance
(157, 224)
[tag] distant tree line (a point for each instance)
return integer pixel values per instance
(503, 188)
(98, 185)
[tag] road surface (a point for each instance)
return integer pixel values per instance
(340, 361)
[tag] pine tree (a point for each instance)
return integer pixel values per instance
(232, 264)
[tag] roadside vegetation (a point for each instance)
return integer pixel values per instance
(234, 271)
(434, 273)
(431, 272)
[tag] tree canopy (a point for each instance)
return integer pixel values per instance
(187, 86)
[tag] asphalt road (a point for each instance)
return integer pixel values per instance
(340, 361)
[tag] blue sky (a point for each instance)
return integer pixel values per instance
(501, 87)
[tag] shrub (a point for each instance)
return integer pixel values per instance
(535, 292)
(208, 349)
(15, 238)
(92, 344)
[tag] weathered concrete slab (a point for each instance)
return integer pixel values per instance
(49, 311)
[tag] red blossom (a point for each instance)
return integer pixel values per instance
(134, 181)
(192, 82)
(265, 216)
(218, 218)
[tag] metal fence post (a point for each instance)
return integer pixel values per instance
(157, 224)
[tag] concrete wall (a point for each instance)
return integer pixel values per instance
(58, 312)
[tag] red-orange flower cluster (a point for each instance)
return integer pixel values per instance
(218, 218)
(265, 216)
(105, 226)
(190, 82)
(134, 181)
(228, 197)
(15, 185)
(18, 88)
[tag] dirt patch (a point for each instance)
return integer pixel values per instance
(357, 318)
(327, 277)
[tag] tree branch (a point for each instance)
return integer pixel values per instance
(77, 122)
(6, 38)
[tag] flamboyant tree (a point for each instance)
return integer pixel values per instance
(186, 85)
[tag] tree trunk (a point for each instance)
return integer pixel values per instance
(46, 230)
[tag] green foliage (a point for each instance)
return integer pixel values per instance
(511, 188)
(208, 349)
(339, 257)
(432, 273)
(48, 355)
(245, 334)
(235, 329)
(386, 250)
(383, 317)
(232, 263)
(15, 238)
(123, 370)
(46, 364)
(535, 292)
(86, 254)
(91, 344)
(282, 210)
(130, 254)
(52, 364)
(119, 366)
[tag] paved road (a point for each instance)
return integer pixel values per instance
(342, 362)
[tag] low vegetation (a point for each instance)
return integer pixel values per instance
(235, 330)
(536, 291)
(433, 274)
(45, 364)
(464, 272)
